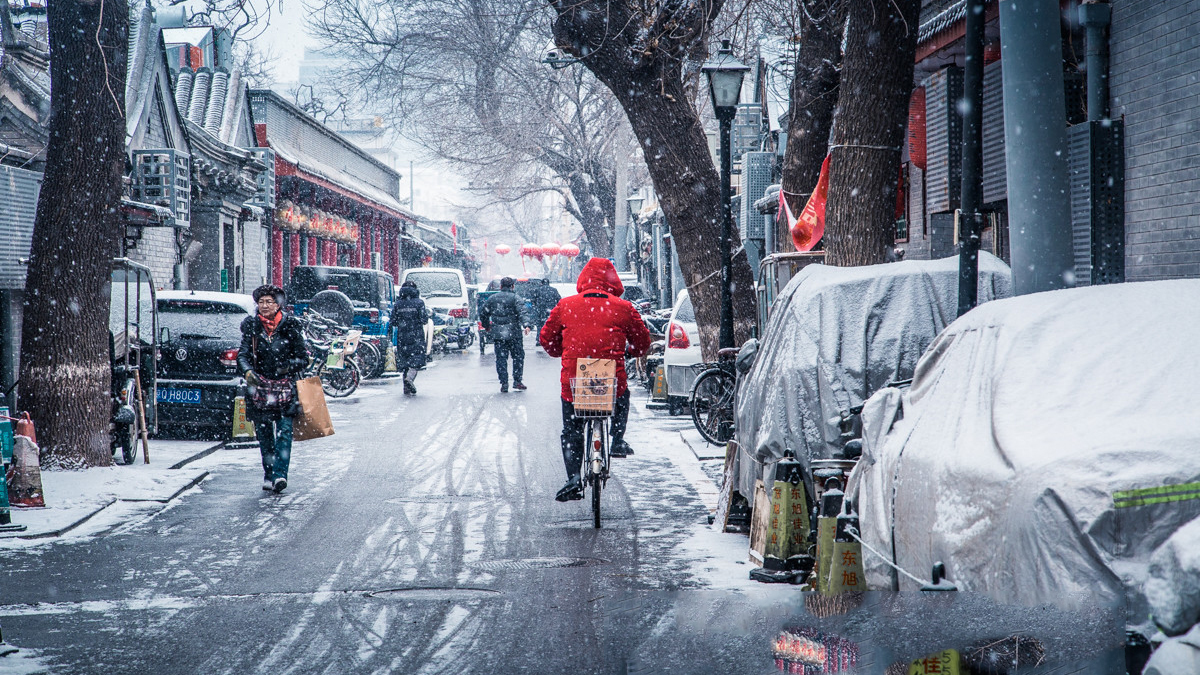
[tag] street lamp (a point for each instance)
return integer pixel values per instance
(725, 75)
(635, 204)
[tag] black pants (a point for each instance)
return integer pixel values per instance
(572, 433)
(514, 347)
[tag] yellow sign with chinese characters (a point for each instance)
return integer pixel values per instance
(942, 663)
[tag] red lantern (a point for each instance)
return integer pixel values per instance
(531, 251)
(569, 250)
(551, 249)
(503, 249)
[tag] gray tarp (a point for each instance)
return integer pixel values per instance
(1044, 447)
(836, 335)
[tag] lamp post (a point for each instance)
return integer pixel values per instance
(725, 75)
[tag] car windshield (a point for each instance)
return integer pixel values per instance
(436, 284)
(686, 312)
(363, 288)
(633, 293)
(201, 319)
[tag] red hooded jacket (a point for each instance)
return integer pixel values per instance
(595, 324)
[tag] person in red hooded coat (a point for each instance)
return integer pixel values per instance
(597, 324)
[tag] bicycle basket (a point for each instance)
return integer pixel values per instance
(594, 396)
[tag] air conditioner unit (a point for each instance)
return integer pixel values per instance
(265, 196)
(164, 177)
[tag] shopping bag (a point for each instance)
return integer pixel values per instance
(313, 420)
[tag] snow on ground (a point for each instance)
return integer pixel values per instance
(78, 498)
(715, 560)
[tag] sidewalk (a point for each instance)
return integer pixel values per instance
(75, 497)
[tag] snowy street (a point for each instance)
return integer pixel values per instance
(423, 538)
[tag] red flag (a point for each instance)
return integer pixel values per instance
(810, 226)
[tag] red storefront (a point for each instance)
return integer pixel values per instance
(335, 204)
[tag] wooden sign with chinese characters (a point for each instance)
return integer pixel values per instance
(787, 523)
(846, 568)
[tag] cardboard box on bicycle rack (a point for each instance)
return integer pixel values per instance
(595, 384)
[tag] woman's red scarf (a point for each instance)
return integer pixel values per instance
(271, 324)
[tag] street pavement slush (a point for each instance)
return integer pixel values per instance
(74, 498)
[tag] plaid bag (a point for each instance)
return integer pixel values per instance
(272, 395)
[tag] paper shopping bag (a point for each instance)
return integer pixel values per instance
(313, 420)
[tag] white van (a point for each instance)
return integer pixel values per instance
(441, 287)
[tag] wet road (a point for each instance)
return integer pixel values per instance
(422, 538)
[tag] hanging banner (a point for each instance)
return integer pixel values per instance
(808, 229)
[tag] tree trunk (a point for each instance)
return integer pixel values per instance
(593, 213)
(65, 368)
(814, 98)
(868, 134)
(689, 193)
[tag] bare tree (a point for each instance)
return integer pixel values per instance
(639, 50)
(868, 133)
(814, 91)
(485, 103)
(65, 371)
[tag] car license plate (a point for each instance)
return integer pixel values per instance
(173, 395)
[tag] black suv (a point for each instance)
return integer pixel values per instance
(198, 376)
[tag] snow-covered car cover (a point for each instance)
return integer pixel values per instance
(836, 335)
(1044, 449)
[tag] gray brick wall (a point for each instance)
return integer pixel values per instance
(157, 250)
(1155, 79)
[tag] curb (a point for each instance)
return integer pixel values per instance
(203, 453)
(162, 500)
(704, 454)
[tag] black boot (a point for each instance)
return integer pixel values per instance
(571, 491)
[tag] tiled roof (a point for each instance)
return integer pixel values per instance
(938, 15)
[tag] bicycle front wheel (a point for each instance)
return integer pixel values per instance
(712, 403)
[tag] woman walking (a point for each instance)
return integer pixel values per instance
(407, 324)
(271, 356)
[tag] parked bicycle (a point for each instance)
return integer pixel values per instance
(594, 399)
(714, 393)
(331, 354)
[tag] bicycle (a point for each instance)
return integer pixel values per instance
(593, 400)
(713, 395)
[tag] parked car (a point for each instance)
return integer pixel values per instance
(1047, 447)
(441, 288)
(198, 376)
(682, 352)
(634, 291)
(372, 292)
(835, 336)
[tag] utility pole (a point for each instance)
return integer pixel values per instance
(970, 216)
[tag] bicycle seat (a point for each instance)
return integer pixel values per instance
(727, 353)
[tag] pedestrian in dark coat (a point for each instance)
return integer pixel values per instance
(545, 297)
(272, 355)
(596, 324)
(406, 330)
(503, 316)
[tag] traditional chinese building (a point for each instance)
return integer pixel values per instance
(334, 204)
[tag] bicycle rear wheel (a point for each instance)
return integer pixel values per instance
(369, 360)
(712, 403)
(341, 383)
